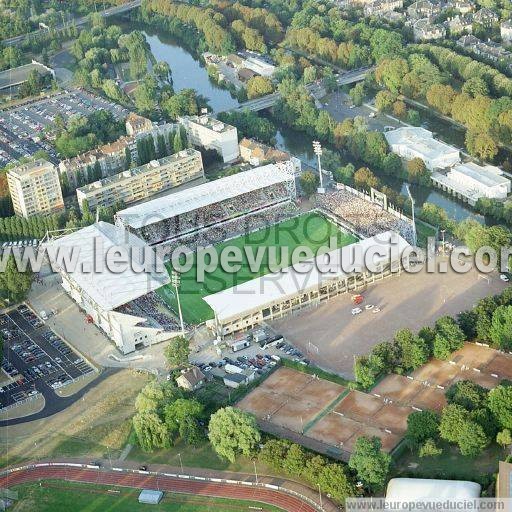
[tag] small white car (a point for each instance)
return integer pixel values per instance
(356, 311)
(376, 310)
(504, 278)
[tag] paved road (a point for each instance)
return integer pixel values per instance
(55, 403)
(278, 494)
(111, 11)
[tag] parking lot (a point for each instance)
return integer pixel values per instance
(21, 128)
(35, 359)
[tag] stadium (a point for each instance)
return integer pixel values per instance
(257, 210)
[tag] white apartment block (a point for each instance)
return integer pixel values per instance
(412, 142)
(142, 182)
(204, 131)
(35, 188)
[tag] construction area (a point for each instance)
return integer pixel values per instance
(329, 417)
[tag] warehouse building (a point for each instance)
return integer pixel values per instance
(35, 188)
(104, 294)
(278, 294)
(411, 142)
(206, 132)
(142, 182)
(470, 182)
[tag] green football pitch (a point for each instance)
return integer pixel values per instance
(311, 230)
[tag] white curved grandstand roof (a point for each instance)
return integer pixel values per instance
(291, 282)
(203, 195)
(108, 289)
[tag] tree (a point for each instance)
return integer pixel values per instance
(182, 418)
(177, 351)
(472, 439)
(178, 144)
(308, 182)
(384, 101)
(333, 480)
(467, 394)
(14, 283)
(500, 331)
(369, 462)
(417, 171)
(399, 109)
(422, 425)
(364, 178)
(453, 419)
(481, 145)
(274, 452)
(258, 86)
(414, 351)
(429, 449)
(366, 370)
(357, 93)
(232, 431)
(449, 337)
(150, 430)
(504, 438)
(295, 460)
(499, 402)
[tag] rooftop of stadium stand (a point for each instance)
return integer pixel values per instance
(152, 212)
(107, 289)
(129, 173)
(276, 287)
(420, 139)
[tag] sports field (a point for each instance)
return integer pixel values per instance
(310, 230)
(58, 496)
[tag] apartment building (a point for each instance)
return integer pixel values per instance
(207, 132)
(142, 182)
(112, 157)
(35, 188)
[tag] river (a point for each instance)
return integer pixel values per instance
(188, 72)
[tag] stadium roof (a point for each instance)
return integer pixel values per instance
(276, 287)
(416, 489)
(203, 195)
(108, 289)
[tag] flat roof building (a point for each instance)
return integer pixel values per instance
(207, 132)
(277, 294)
(413, 142)
(150, 497)
(14, 77)
(142, 182)
(431, 490)
(35, 188)
(470, 182)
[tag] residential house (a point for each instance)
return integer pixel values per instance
(488, 50)
(486, 17)
(136, 124)
(506, 31)
(235, 380)
(463, 6)
(425, 30)
(258, 154)
(191, 379)
(423, 9)
(459, 24)
(381, 7)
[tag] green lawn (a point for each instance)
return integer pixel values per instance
(60, 496)
(451, 464)
(310, 229)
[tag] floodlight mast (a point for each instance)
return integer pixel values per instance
(413, 218)
(176, 281)
(317, 148)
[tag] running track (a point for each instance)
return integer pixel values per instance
(138, 480)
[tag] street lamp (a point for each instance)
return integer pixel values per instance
(317, 148)
(175, 281)
(413, 220)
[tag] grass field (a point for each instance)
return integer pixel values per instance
(311, 230)
(59, 496)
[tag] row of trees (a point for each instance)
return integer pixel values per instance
(490, 321)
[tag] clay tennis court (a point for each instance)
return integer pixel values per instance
(488, 360)
(290, 399)
(409, 393)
